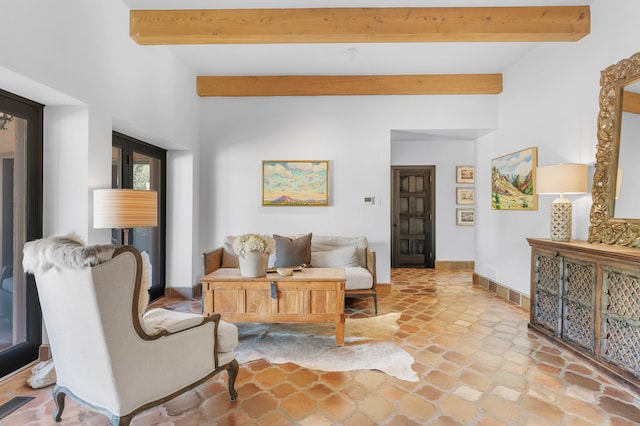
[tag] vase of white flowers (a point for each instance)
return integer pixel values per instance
(253, 252)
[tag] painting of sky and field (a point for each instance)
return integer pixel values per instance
(513, 181)
(295, 183)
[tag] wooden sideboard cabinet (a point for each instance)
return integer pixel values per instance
(587, 297)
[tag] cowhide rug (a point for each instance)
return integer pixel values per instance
(368, 345)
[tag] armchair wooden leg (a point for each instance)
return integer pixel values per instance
(232, 370)
(58, 397)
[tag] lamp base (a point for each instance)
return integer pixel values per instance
(561, 219)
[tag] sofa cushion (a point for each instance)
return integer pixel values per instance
(159, 319)
(229, 258)
(337, 258)
(358, 278)
(326, 243)
(227, 336)
(292, 251)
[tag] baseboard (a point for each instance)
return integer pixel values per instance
(383, 289)
(502, 291)
(183, 292)
(454, 265)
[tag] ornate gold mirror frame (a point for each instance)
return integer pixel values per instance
(605, 228)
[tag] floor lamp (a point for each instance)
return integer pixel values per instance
(561, 179)
(124, 209)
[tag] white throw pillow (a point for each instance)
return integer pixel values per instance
(143, 296)
(229, 258)
(343, 257)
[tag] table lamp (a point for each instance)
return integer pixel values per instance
(561, 179)
(124, 209)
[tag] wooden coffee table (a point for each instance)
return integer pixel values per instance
(309, 295)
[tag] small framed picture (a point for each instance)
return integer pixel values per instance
(465, 195)
(465, 174)
(465, 217)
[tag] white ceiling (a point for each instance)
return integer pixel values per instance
(353, 58)
(438, 135)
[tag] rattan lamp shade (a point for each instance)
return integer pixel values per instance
(124, 208)
(561, 179)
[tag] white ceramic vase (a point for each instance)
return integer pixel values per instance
(253, 264)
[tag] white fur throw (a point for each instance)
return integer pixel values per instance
(63, 252)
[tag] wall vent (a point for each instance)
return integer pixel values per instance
(13, 404)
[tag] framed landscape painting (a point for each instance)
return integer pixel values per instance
(465, 195)
(465, 174)
(513, 181)
(465, 217)
(295, 183)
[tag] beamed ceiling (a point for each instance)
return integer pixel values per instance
(353, 50)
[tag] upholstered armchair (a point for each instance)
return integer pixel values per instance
(106, 354)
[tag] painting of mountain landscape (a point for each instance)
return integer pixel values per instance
(295, 183)
(513, 181)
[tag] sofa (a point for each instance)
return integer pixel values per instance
(351, 253)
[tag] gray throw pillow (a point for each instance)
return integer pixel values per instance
(292, 251)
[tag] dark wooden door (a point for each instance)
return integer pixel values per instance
(413, 219)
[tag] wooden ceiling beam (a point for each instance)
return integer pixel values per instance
(343, 85)
(360, 25)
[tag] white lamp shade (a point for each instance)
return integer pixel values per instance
(124, 208)
(561, 179)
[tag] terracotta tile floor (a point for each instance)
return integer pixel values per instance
(478, 365)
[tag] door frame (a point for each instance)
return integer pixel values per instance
(431, 189)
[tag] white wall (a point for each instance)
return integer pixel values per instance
(76, 57)
(453, 243)
(66, 133)
(550, 101)
(352, 132)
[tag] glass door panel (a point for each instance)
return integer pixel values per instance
(116, 167)
(138, 165)
(20, 221)
(12, 294)
(146, 176)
